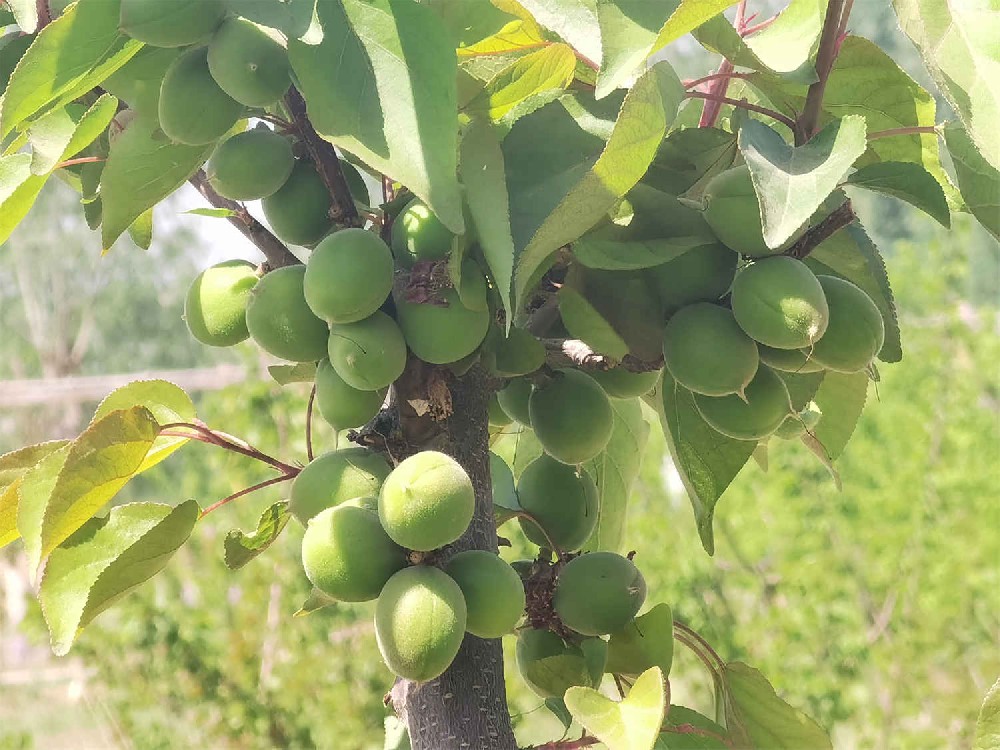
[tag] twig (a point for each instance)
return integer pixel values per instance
(80, 160)
(246, 491)
(750, 30)
(820, 233)
(682, 632)
(714, 77)
(309, 420)
(742, 104)
(914, 130)
(825, 57)
(274, 250)
(713, 103)
(575, 353)
(221, 440)
(844, 17)
(44, 14)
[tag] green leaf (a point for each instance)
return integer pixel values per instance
(573, 20)
(290, 17)
(679, 732)
(614, 472)
(647, 641)
(802, 386)
(557, 707)
(646, 114)
(791, 183)
(689, 157)
(706, 460)
(69, 57)
(906, 181)
(632, 724)
(381, 85)
(688, 15)
(140, 231)
(13, 467)
(978, 180)
(505, 502)
(483, 175)
(517, 446)
(33, 495)
(25, 13)
(958, 42)
(98, 464)
(396, 735)
(584, 322)
(216, 213)
(628, 31)
(49, 136)
(769, 722)
(513, 36)
(105, 559)
(142, 170)
(12, 47)
(526, 84)
(167, 403)
(301, 372)
(241, 548)
(316, 600)
(988, 725)
(841, 398)
(14, 170)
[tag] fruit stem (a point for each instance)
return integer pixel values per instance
(309, 418)
(228, 442)
(246, 491)
(742, 104)
(552, 545)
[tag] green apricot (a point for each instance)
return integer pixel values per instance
(299, 211)
(420, 620)
(550, 666)
(215, 308)
(177, 23)
(348, 276)
(765, 408)
(427, 501)
(707, 352)
(494, 594)
(562, 499)
(334, 478)
(645, 642)
(250, 165)
(368, 354)
(514, 400)
(417, 234)
(497, 416)
(733, 213)
(192, 108)
(571, 416)
(138, 81)
(621, 383)
(280, 321)
(249, 62)
(442, 334)
(516, 353)
(789, 360)
(598, 593)
(341, 405)
(702, 274)
(856, 331)
(779, 302)
(347, 554)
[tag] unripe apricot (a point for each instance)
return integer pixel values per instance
(417, 234)
(571, 416)
(347, 554)
(515, 353)
(702, 274)
(215, 308)
(250, 165)
(514, 400)
(779, 302)
(789, 360)
(856, 331)
(192, 108)
(334, 478)
(598, 592)
(348, 276)
(341, 405)
(563, 500)
(494, 594)
(707, 352)
(299, 211)
(178, 24)
(765, 408)
(550, 666)
(420, 620)
(369, 354)
(280, 321)
(249, 62)
(427, 501)
(442, 333)
(621, 383)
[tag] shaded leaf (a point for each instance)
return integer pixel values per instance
(517, 446)
(316, 600)
(585, 323)
(505, 501)
(574, 20)
(906, 181)
(978, 180)
(557, 707)
(628, 30)
(841, 398)
(291, 17)
(240, 548)
(301, 372)
(988, 724)
(32, 496)
(688, 15)
(690, 156)
(632, 724)
(13, 466)
(681, 732)
(647, 641)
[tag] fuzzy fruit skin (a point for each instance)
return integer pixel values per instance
(571, 416)
(762, 413)
(215, 308)
(174, 24)
(856, 331)
(188, 89)
(299, 211)
(420, 620)
(251, 165)
(497, 416)
(780, 303)
(281, 322)
(707, 352)
(576, 664)
(369, 354)
(563, 499)
(341, 405)
(702, 274)
(346, 553)
(417, 234)
(249, 63)
(598, 593)
(514, 400)
(427, 501)
(789, 360)
(442, 334)
(334, 478)
(493, 592)
(733, 213)
(348, 276)
(621, 383)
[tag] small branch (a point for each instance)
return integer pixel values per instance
(916, 129)
(309, 420)
(714, 77)
(274, 250)
(713, 103)
(44, 14)
(246, 491)
(818, 234)
(681, 628)
(343, 212)
(587, 61)
(844, 17)
(575, 353)
(826, 55)
(81, 160)
(221, 440)
(750, 30)
(784, 120)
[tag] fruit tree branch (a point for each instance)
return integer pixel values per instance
(575, 353)
(818, 234)
(274, 250)
(829, 44)
(742, 104)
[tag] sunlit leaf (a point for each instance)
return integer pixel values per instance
(978, 180)
(647, 641)
(631, 724)
(13, 466)
(988, 725)
(241, 548)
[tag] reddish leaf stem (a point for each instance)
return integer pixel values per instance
(713, 77)
(787, 121)
(245, 491)
(80, 160)
(221, 440)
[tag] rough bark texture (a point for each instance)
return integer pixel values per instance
(467, 706)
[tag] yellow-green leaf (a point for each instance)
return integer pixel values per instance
(516, 35)
(632, 724)
(13, 467)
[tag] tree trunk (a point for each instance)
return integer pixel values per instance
(467, 706)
